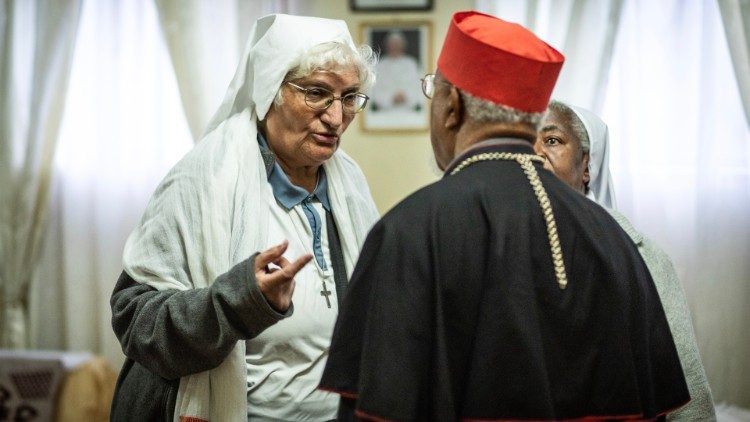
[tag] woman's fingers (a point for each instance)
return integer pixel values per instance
(288, 270)
(270, 255)
(292, 268)
(275, 275)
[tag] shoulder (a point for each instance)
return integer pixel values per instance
(438, 207)
(425, 199)
(413, 211)
(344, 173)
(487, 184)
(653, 255)
(344, 162)
(658, 262)
(232, 140)
(222, 155)
(626, 225)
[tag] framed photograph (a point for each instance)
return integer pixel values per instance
(396, 100)
(390, 5)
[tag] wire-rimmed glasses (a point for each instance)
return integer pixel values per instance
(428, 85)
(319, 98)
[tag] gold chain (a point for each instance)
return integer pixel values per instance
(525, 161)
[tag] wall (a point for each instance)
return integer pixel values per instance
(395, 164)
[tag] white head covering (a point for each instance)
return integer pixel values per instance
(601, 189)
(210, 212)
(274, 47)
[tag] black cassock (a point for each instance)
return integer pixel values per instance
(454, 311)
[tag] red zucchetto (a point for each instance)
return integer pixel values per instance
(499, 61)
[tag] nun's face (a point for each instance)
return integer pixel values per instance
(302, 137)
(561, 148)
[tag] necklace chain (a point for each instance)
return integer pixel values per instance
(525, 160)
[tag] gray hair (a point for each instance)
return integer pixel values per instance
(335, 56)
(579, 130)
(487, 111)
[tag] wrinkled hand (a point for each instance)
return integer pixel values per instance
(277, 282)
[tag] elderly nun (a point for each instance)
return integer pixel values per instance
(575, 145)
(212, 328)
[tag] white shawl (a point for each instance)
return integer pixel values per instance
(209, 213)
(601, 188)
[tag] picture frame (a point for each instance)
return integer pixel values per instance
(390, 5)
(405, 56)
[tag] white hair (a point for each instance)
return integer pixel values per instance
(487, 111)
(333, 56)
(576, 124)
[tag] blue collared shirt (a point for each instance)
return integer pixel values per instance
(289, 196)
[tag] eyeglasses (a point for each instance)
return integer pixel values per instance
(320, 99)
(428, 85)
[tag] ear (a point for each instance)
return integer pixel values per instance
(454, 110)
(586, 174)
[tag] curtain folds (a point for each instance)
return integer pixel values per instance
(583, 30)
(123, 130)
(681, 165)
(37, 40)
(736, 17)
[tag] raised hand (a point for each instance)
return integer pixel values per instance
(275, 275)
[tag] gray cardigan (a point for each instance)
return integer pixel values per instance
(169, 334)
(701, 405)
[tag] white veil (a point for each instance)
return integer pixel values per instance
(601, 189)
(274, 46)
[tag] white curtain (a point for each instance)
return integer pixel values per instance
(583, 30)
(123, 129)
(36, 40)
(205, 41)
(736, 17)
(681, 165)
(125, 126)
